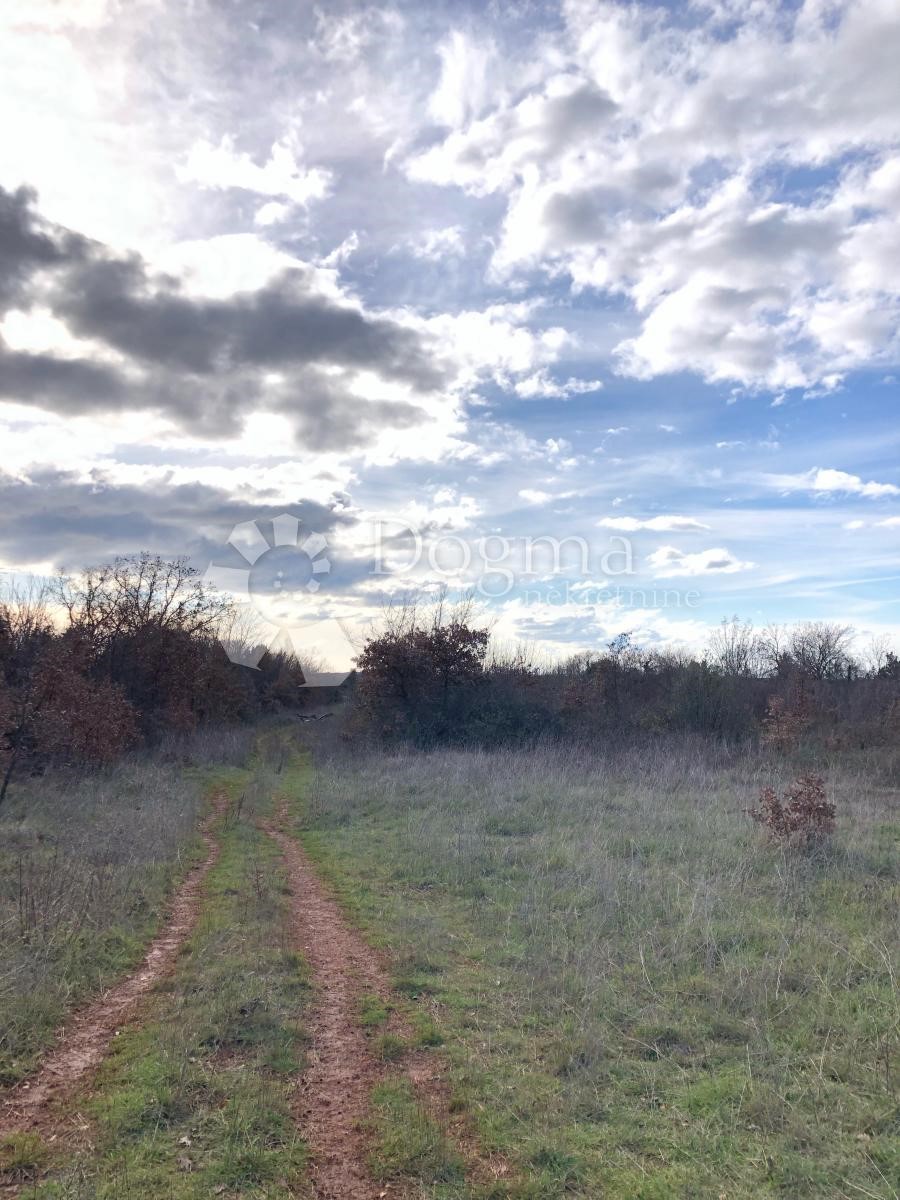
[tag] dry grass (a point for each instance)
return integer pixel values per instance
(643, 997)
(86, 863)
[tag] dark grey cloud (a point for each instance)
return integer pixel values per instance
(55, 517)
(581, 217)
(202, 362)
(283, 324)
(326, 418)
(28, 244)
(65, 385)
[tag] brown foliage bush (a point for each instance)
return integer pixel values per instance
(801, 814)
(785, 720)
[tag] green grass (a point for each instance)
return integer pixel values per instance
(372, 1011)
(408, 1142)
(195, 1102)
(22, 1156)
(639, 997)
(80, 898)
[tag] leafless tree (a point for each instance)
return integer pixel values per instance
(735, 649)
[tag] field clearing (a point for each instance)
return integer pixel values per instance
(640, 997)
(592, 976)
(86, 865)
(194, 1099)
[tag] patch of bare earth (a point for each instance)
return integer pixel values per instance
(33, 1106)
(333, 1096)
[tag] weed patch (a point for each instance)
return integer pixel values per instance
(196, 1101)
(408, 1142)
(637, 998)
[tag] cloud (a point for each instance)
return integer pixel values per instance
(541, 385)
(644, 162)
(271, 213)
(222, 166)
(534, 496)
(434, 245)
(94, 519)
(829, 480)
(464, 83)
(343, 374)
(29, 245)
(666, 524)
(823, 481)
(668, 562)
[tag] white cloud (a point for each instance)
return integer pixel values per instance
(437, 244)
(667, 524)
(342, 252)
(464, 84)
(220, 266)
(271, 213)
(599, 163)
(448, 511)
(541, 385)
(222, 166)
(825, 480)
(534, 496)
(495, 343)
(668, 562)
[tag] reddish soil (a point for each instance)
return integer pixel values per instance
(333, 1096)
(32, 1106)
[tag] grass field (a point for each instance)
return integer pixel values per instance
(639, 996)
(634, 993)
(85, 866)
(194, 1100)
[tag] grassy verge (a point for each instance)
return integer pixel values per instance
(86, 867)
(408, 1143)
(639, 997)
(195, 1102)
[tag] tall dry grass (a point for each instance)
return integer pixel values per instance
(86, 863)
(651, 967)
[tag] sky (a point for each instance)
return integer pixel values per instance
(591, 307)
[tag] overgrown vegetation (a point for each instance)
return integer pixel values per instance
(640, 996)
(430, 678)
(120, 655)
(86, 864)
(196, 1101)
(642, 991)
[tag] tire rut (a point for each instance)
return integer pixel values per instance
(334, 1094)
(332, 1098)
(32, 1106)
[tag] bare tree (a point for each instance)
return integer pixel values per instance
(877, 655)
(139, 592)
(736, 650)
(821, 649)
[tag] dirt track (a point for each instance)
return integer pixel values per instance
(333, 1095)
(32, 1106)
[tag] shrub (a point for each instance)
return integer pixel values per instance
(785, 720)
(802, 813)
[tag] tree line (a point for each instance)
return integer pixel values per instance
(430, 677)
(125, 653)
(122, 654)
